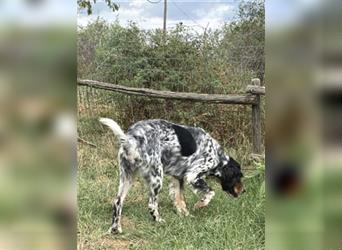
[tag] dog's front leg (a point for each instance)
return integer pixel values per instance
(201, 187)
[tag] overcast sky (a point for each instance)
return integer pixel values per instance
(198, 14)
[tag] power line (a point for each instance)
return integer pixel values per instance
(191, 18)
(153, 1)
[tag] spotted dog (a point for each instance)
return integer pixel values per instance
(188, 154)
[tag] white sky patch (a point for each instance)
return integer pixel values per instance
(136, 4)
(217, 12)
(214, 18)
(221, 10)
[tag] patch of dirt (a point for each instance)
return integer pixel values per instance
(116, 244)
(119, 244)
(108, 243)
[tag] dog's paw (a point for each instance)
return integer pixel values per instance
(200, 204)
(205, 200)
(182, 211)
(160, 220)
(114, 230)
(185, 212)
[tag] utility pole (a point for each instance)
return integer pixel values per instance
(165, 15)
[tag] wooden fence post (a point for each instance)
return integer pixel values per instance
(256, 121)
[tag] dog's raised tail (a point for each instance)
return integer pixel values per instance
(114, 127)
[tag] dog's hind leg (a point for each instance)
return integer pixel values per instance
(154, 180)
(177, 195)
(125, 183)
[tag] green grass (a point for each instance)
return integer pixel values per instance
(227, 223)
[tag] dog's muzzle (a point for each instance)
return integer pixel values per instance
(238, 189)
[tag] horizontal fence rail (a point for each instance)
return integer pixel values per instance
(247, 99)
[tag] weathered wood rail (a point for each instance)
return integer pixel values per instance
(252, 97)
(211, 98)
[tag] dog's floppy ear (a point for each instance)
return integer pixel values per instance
(186, 140)
(234, 163)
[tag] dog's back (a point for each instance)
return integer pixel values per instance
(153, 138)
(159, 142)
(172, 145)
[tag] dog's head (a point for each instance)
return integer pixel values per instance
(229, 174)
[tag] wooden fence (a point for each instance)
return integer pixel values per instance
(252, 97)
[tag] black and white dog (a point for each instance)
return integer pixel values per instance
(158, 147)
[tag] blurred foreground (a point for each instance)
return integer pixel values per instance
(304, 125)
(37, 124)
